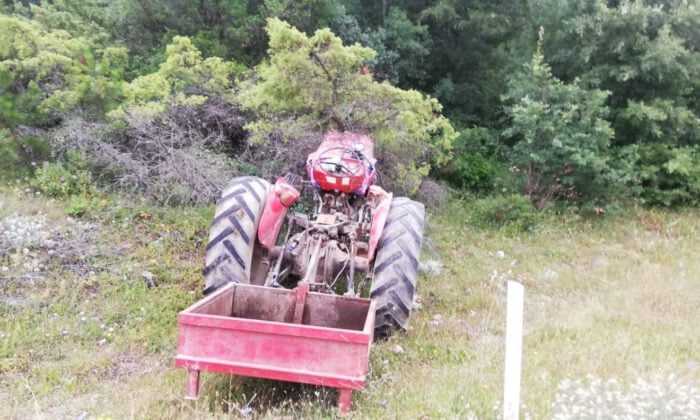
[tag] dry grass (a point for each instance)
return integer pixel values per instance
(615, 299)
(169, 159)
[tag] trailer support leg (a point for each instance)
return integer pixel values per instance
(192, 387)
(344, 399)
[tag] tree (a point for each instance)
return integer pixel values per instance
(472, 56)
(648, 56)
(645, 55)
(184, 78)
(561, 137)
(171, 136)
(663, 175)
(45, 74)
(94, 20)
(400, 44)
(313, 84)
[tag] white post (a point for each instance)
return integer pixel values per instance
(514, 349)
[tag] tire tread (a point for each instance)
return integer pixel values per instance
(233, 231)
(396, 266)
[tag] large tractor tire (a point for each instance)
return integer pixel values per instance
(396, 266)
(233, 233)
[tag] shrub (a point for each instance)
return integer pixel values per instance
(561, 137)
(504, 210)
(315, 83)
(473, 166)
(168, 136)
(662, 174)
(55, 179)
(472, 171)
(170, 159)
(46, 73)
(184, 78)
(432, 194)
(19, 152)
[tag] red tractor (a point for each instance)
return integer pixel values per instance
(358, 236)
(291, 307)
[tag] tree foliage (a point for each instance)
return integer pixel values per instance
(663, 175)
(46, 73)
(401, 46)
(317, 83)
(561, 137)
(183, 78)
(142, 59)
(647, 55)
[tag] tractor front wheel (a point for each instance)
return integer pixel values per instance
(233, 233)
(396, 265)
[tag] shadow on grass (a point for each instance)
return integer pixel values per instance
(251, 396)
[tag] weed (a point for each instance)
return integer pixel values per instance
(658, 397)
(57, 180)
(514, 211)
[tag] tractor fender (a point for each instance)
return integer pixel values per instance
(382, 200)
(282, 197)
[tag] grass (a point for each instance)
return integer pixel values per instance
(612, 298)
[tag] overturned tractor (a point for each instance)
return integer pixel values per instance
(287, 293)
(358, 236)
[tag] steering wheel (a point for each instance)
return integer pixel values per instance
(337, 164)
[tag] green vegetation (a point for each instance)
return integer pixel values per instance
(315, 82)
(561, 136)
(645, 54)
(513, 211)
(606, 110)
(20, 154)
(557, 142)
(182, 73)
(81, 330)
(45, 74)
(63, 179)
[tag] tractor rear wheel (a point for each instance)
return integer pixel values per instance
(233, 233)
(396, 265)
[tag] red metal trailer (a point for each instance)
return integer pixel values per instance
(276, 333)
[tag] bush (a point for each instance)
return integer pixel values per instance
(661, 174)
(169, 159)
(473, 166)
(312, 84)
(18, 152)
(432, 194)
(46, 73)
(184, 78)
(55, 179)
(503, 210)
(472, 171)
(168, 137)
(561, 137)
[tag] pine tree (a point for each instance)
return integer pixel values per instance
(561, 137)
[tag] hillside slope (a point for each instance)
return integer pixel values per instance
(83, 334)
